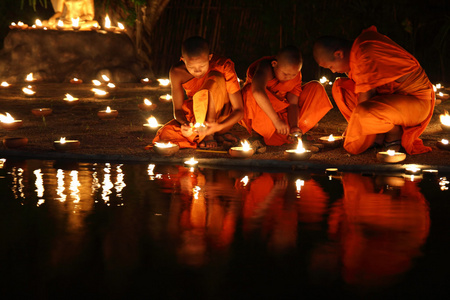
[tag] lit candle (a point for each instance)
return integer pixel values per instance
(100, 93)
(63, 144)
(76, 24)
(28, 91)
(151, 125)
(76, 80)
(164, 82)
(147, 105)
(108, 24)
(111, 85)
(108, 114)
(13, 25)
(391, 156)
(96, 82)
(105, 78)
(60, 25)
(71, 100)
(21, 25)
(300, 153)
(121, 27)
(5, 84)
(445, 121)
(443, 144)
(441, 95)
(145, 80)
(9, 123)
(165, 98)
(331, 141)
(242, 152)
(41, 112)
(166, 149)
(38, 23)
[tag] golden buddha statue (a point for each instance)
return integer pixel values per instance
(66, 10)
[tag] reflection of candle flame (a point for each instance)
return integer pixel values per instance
(99, 92)
(191, 161)
(120, 25)
(145, 80)
(152, 122)
(38, 22)
(75, 22)
(164, 145)
(147, 102)
(60, 23)
(28, 91)
(29, 77)
(245, 145)
(444, 141)
(164, 82)
(445, 119)
(300, 148)
(298, 184)
(412, 168)
(75, 79)
(245, 180)
(6, 119)
(111, 85)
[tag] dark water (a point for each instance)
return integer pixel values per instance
(113, 231)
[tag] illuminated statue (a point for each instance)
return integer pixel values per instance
(66, 10)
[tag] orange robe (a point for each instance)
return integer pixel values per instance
(313, 105)
(219, 81)
(377, 62)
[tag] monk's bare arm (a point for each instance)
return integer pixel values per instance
(366, 95)
(293, 112)
(262, 75)
(176, 79)
(236, 115)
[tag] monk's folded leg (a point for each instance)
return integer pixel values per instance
(313, 105)
(344, 96)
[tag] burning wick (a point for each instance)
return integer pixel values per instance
(69, 98)
(6, 119)
(164, 82)
(76, 80)
(152, 122)
(147, 102)
(62, 140)
(145, 80)
(391, 152)
(107, 23)
(331, 138)
(244, 180)
(300, 148)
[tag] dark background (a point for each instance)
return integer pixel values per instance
(247, 29)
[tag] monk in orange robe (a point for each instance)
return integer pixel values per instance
(214, 98)
(276, 105)
(387, 97)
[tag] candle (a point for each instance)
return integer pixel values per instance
(244, 151)
(100, 93)
(147, 105)
(60, 25)
(166, 149)
(4, 84)
(151, 125)
(331, 141)
(300, 153)
(108, 114)
(445, 121)
(63, 144)
(41, 112)
(108, 24)
(120, 27)
(28, 91)
(15, 142)
(105, 78)
(9, 123)
(163, 82)
(76, 24)
(96, 82)
(165, 98)
(71, 100)
(443, 144)
(76, 80)
(391, 156)
(145, 80)
(30, 78)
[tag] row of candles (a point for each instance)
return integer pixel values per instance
(74, 26)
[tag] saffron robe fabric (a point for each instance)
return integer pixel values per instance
(376, 62)
(313, 105)
(218, 82)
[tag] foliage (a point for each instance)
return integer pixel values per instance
(33, 3)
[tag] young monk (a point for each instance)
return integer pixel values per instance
(387, 97)
(276, 105)
(214, 98)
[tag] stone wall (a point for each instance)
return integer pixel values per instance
(58, 56)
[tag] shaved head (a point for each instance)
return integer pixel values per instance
(326, 46)
(194, 46)
(290, 55)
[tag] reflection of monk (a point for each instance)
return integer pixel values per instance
(379, 234)
(66, 10)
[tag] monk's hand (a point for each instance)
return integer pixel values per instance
(281, 127)
(212, 127)
(186, 129)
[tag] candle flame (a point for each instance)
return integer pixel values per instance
(191, 161)
(444, 141)
(164, 145)
(439, 86)
(107, 22)
(245, 145)
(164, 82)
(323, 80)
(391, 152)
(331, 138)
(147, 102)
(167, 97)
(62, 140)
(441, 94)
(30, 77)
(20, 23)
(108, 109)
(96, 82)
(6, 118)
(13, 24)
(412, 168)
(120, 25)
(60, 23)
(28, 91)
(75, 22)
(69, 97)
(75, 79)
(300, 148)
(111, 85)
(99, 92)
(105, 78)
(445, 119)
(244, 180)
(4, 84)
(152, 122)
(38, 22)
(298, 185)
(145, 80)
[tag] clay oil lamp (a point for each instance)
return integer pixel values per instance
(191, 164)
(96, 82)
(41, 112)
(98, 93)
(152, 125)
(163, 82)
(331, 141)
(147, 105)
(4, 84)
(445, 121)
(9, 123)
(28, 91)
(108, 114)
(300, 153)
(76, 80)
(165, 98)
(391, 156)
(443, 144)
(69, 99)
(64, 145)
(145, 80)
(15, 142)
(60, 25)
(244, 151)
(108, 26)
(76, 24)
(166, 149)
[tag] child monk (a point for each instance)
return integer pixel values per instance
(214, 98)
(276, 105)
(387, 97)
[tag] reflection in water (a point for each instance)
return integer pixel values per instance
(120, 223)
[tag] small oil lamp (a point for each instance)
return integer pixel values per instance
(165, 98)
(108, 114)
(166, 149)
(60, 25)
(244, 151)
(443, 144)
(41, 112)
(9, 123)
(30, 78)
(64, 145)
(76, 80)
(164, 82)
(96, 82)
(13, 25)
(76, 24)
(445, 121)
(15, 142)
(71, 100)
(300, 153)
(28, 91)
(331, 141)
(391, 156)
(120, 27)
(151, 125)
(442, 96)
(4, 84)
(145, 80)
(108, 24)
(147, 105)
(21, 25)
(98, 93)
(199, 128)
(38, 24)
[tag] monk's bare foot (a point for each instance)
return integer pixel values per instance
(208, 142)
(227, 139)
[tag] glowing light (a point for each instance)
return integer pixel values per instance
(196, 190)
(99, 92)
(164, 145)
(147, 102)
(39, 183)
(74, 184)
(28, 91)
(298, 185)
(150, 171)
(166, 97)
(4, 84)
(62, 140)
(75, 79)
(152, 122)
(323, 80)
(191, 162)
(245, 145)
(443, 183)
(75, 23)
(444, 141)
(60, 186)
(96, 82)
(120, 25)
(331, 138)
(60, 24)
(163, 81)
(391, 152)
(445, 119)
(6, 118)
(2, 162)
(439, 86)
(300, 148)
(107, 22)
(145, 80)
(245, 180)
(108, 109)
(30, 78)
(38, 23)
(105, 78)
(69, 97)
(111, 85)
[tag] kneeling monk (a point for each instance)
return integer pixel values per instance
(275, 102)
(387, 97)
(214, 98)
